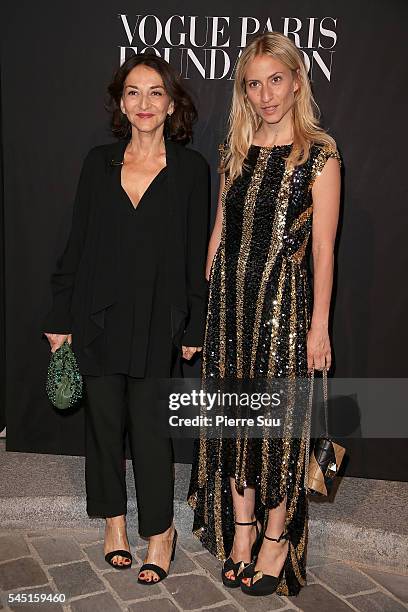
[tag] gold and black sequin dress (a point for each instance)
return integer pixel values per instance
(259, 312)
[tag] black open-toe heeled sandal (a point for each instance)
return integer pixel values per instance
(260, 583)
(162, 574)
(120, 553)
(239, 566)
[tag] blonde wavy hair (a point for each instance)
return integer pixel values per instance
(244, 122)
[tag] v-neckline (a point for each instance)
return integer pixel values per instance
(135, 208)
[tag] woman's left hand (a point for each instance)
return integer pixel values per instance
(189, 351)
(318, 349)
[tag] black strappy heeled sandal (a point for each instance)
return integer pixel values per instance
(239, 566)
(162, 574)
(120, 553)
(260, 583)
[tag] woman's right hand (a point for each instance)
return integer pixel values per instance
(57, 340)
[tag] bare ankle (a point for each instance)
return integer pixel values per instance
(245, 519)
(115, 519)
(274, 533)
(164, 535)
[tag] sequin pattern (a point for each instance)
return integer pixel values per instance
(260, 304)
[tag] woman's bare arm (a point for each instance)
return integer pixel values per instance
(326, 204)
(216, 232)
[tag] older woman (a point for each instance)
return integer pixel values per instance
(129, 293)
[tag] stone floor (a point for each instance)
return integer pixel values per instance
(70, 563)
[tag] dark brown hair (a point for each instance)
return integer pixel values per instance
(178, 126)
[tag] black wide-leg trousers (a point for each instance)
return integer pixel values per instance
(116, 403)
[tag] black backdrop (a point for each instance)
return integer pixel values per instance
(57, 58)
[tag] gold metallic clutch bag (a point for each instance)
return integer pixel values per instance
(327, 455)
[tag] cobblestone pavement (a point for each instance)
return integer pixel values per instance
(70, 563)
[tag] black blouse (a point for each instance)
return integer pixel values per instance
(137, 330)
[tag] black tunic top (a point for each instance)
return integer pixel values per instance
(137, 330)
(85, 286)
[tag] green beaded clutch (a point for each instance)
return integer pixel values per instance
(64, 380)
